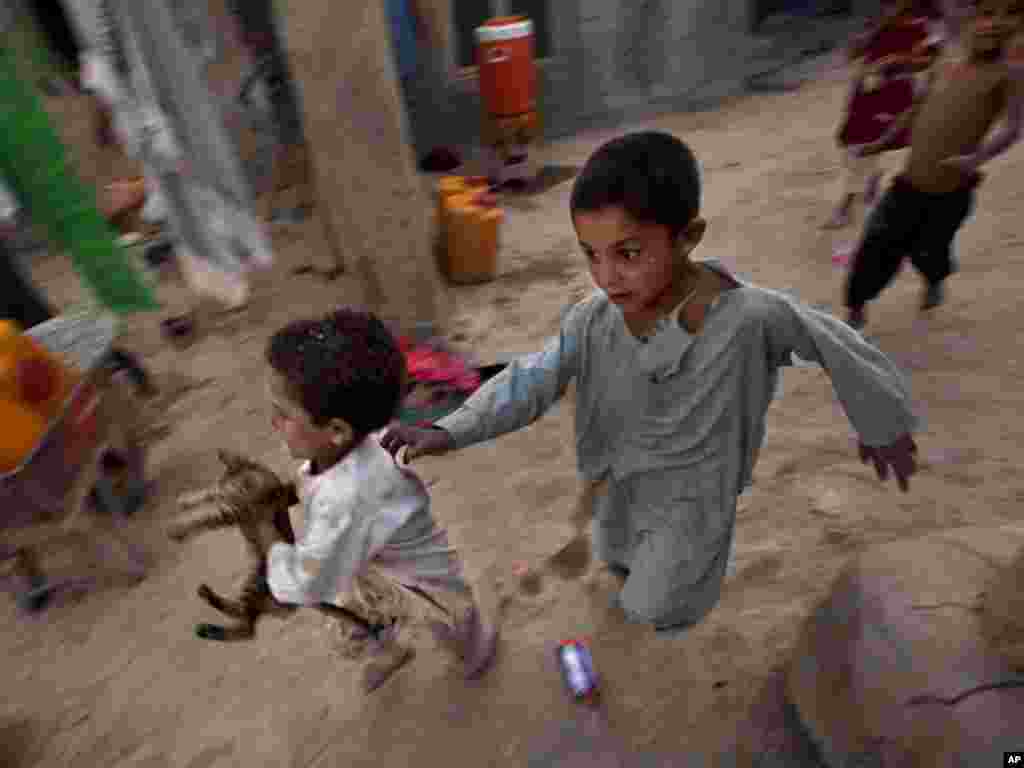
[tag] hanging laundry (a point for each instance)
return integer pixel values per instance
(35, 163)
(141, 63)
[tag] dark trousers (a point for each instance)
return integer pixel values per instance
(908, 223)
(21, 302)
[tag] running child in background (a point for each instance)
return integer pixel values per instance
(675, 362)
(925, 206)
(890, 57)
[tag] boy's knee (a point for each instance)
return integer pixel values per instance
(650, 604)
(662, 618)
(665, 605)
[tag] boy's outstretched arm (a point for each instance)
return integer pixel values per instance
(872, 390)
(1007, 135)
(523, 392)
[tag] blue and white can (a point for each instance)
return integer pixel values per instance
(577, 667)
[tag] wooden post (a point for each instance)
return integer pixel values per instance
(375, 203)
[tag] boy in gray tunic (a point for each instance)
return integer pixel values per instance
(675, 362)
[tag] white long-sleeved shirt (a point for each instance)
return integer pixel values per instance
(365, 509)
(675, 423)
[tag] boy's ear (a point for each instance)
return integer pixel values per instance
(690, 237)
(291, 495)
(341, 432)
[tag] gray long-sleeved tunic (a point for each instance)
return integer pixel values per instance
(675, 423)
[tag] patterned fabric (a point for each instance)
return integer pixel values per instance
(873, 107)
(675, 425)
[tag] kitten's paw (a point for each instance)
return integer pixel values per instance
(210, 632)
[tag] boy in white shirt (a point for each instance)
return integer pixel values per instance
(333, 383)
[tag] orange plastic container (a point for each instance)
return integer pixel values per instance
(23, 430)
(508, 71)
(31, 375)
(472, 240)
(449, 187)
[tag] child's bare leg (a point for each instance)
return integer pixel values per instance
(478, 635)
(856, 171)
(472, 638)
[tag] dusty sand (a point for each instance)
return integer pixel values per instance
(1003, 612)
(116, 678)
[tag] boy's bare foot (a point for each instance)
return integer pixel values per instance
(386, 663)
(572, 560)
(482, 645)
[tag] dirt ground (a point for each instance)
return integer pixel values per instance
(116, 677)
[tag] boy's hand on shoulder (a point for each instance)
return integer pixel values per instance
(900, 456)
(417, 441)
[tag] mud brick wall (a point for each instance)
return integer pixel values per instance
(619, 60)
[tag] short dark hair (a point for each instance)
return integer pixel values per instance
(346, 365)
(652, 175)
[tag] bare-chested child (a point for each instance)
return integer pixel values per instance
(925, 206)
(891, 58)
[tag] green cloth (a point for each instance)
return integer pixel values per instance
(35, 164)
